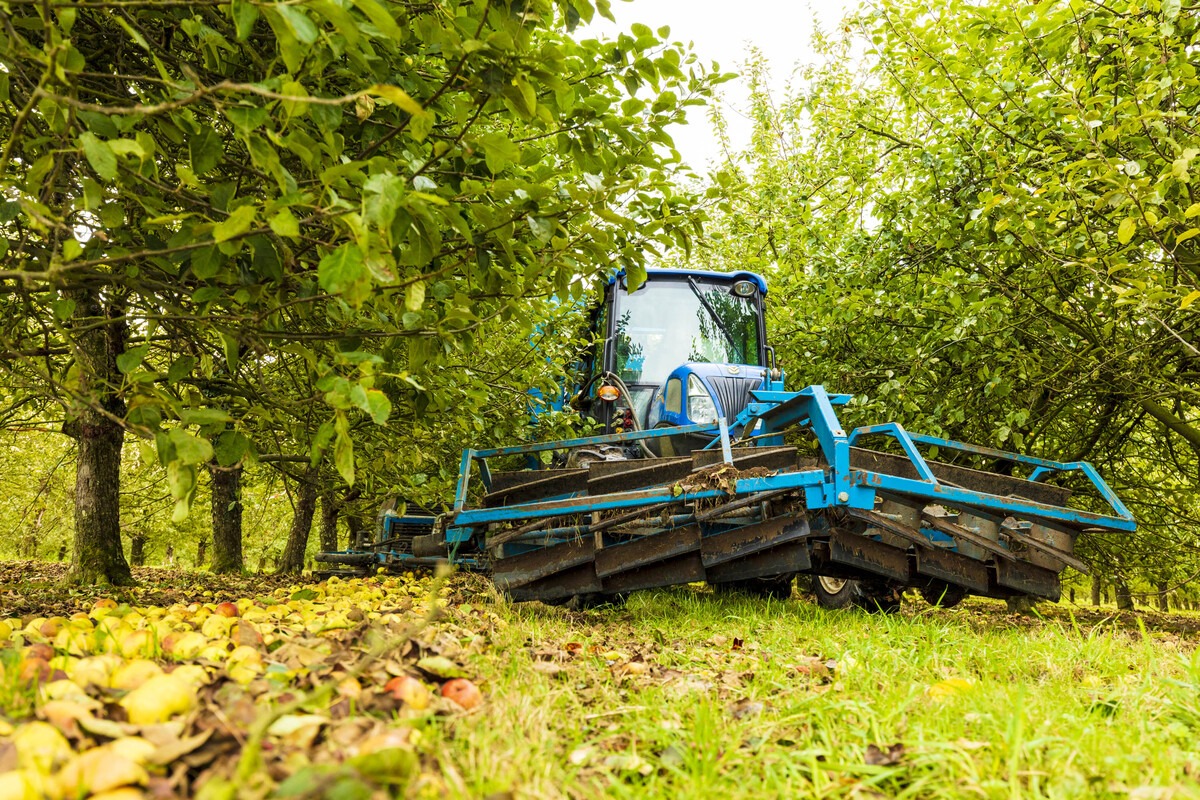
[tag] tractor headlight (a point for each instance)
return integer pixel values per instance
(744, 288)
(700, 404)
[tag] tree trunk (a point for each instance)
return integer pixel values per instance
(358, 531)
(329, 520)
(137, 550)
(1124, 598)
(202, 553)
(226, 518)
(302, 518)
(98, 557)
(1164, 602)
(1097, 587)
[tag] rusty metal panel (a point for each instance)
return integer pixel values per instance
(528, 567)
(973, 479)
(646, 550)
(546, 483)
(622, 476)
(788, 557)
(502, 481)
(853, 550)
(741, 542)
(1046, 547)
(745, 458)
(681, 569)
(933, 562)
(1028, 579)
(578, 580)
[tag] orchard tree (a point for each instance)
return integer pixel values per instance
(987, 226)
(196, 192)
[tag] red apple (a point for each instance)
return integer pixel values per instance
(463, 692)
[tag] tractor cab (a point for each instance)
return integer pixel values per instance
(685, 347)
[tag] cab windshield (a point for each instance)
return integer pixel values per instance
(666, 323)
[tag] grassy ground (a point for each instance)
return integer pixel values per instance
(684, 693)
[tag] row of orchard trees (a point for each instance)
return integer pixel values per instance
(298, 233)
(984, 219)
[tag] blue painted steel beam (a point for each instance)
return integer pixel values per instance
(896, 431)
(1017, 507)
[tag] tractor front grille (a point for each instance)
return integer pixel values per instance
(733, 393)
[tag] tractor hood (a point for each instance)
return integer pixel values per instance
(700, 392)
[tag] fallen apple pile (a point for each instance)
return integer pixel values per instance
(290, 694)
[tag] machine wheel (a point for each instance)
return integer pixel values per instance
(776, 587)
(839, 593)
(943, 595)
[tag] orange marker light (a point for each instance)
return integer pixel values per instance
(609, 393)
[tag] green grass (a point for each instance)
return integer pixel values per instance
(985, 704)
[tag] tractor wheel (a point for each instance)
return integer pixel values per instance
(776, 587)
(870, 596)
(943, 595)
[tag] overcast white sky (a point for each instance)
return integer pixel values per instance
(721, 30)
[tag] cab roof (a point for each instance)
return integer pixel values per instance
(700, 274)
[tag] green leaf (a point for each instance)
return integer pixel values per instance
(1188, 234)
(298, 22)
(498, 151)
(245, 14)
(397, 96)
(99, 155)
(285, 224)
(383, 20)
(375, 403)
(237, 223)
(204, 416)
(1127, 229)
(128, 361)
(181, 368)
(414, 296)
(206, 262)
(205, 150)
(341, 269)
(543, 228)
(230, 448)
(1192, 297)
(343, 456)
(189, 448)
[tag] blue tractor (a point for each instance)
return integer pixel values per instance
(704, 468)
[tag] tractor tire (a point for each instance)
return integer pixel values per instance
(943, 595)
(839, 593)
(778, 587)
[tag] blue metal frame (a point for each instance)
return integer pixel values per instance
(836, 484)
(908, 442)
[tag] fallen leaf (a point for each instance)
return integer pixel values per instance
(441, 667)
(745, 708)
(877, 757)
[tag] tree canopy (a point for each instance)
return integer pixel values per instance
(983, 219)
(255, 228)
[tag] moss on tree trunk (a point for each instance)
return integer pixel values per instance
(227, 518)
(330, 508)
(302, 519)
(99, 337)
